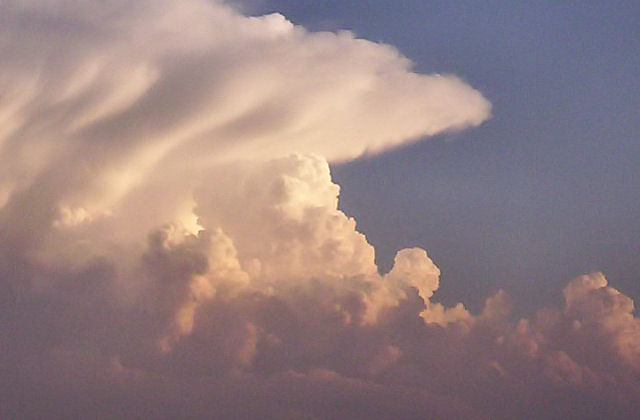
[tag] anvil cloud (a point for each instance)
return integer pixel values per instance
(171, 243)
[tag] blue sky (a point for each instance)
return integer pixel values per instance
(549, 188)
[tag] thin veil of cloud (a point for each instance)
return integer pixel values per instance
(171, 243)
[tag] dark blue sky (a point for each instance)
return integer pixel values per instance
(549, 188)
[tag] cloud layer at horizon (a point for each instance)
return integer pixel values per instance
(171, 243)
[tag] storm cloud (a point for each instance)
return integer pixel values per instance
(171, 243)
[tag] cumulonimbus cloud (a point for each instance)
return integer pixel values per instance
(171, 243)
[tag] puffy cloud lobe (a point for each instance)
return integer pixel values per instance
(185, 271)
(413, 268)
(160, 257)
(283, 214)
(216, 309)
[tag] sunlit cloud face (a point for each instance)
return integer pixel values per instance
(170, 232)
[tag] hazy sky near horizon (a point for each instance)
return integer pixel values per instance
(318, 210)
(549, 187)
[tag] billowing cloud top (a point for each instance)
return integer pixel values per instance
(171, 244)
(113, 91)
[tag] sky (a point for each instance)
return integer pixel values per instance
(547, 188)
(319, 210)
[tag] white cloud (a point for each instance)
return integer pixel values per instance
(170, 233)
